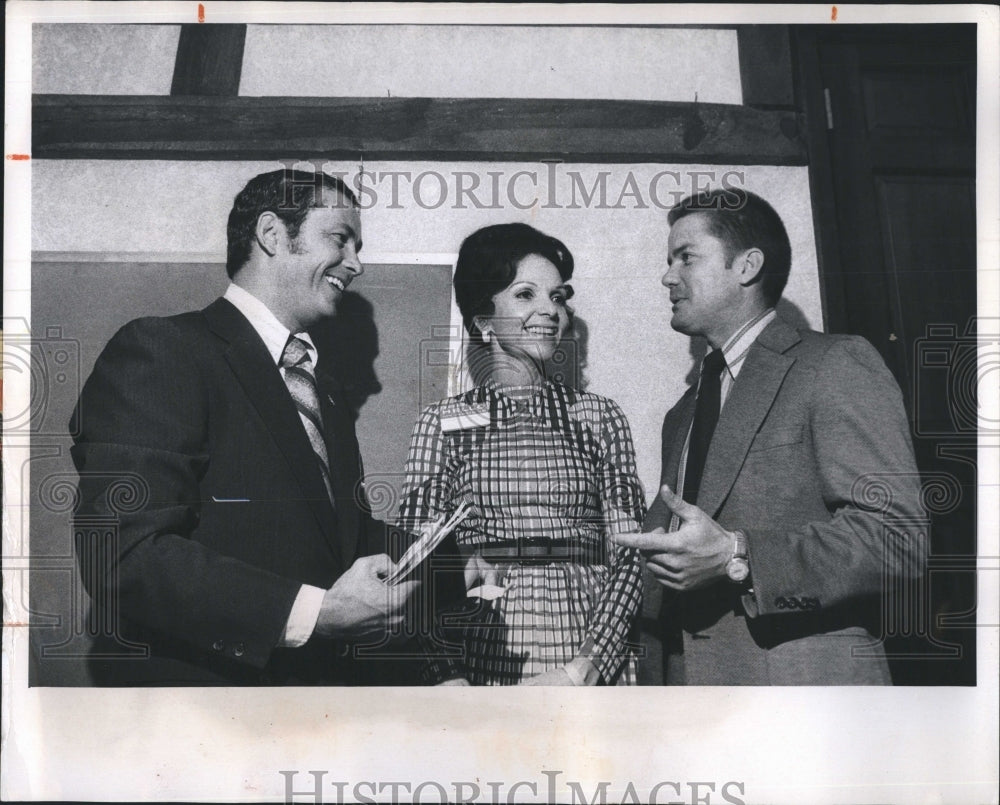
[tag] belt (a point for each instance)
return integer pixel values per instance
(543, 551)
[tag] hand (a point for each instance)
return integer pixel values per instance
(457, 682)
(478, 572)
(690, 557)
(583, 669)
(557, 676)
(360, 604)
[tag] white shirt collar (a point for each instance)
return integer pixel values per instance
(272, 332)
(739, 343)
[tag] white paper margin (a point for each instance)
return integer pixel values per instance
(798, 745)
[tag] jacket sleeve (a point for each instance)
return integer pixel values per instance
(142, 448)
(863, 456)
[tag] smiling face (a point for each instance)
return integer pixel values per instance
(706, 292)
(315, 267)
(530, 316)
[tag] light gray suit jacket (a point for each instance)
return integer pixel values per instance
(812, 458)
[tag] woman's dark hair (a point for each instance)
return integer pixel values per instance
(487, 263)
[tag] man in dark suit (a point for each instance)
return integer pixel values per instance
(219, 508)
(790, 506)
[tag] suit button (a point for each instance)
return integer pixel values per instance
(239, 650)
(218, 645)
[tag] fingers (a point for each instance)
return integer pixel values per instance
(677, 504)
(377, 565)
(474, 569)
(665, 575)
(672, 576)
(671, 579)
(676, 586)
(480, 572)
(557, 676)
(404, 590)
(668, 569)
(624, 538)
(471, 576)
(663, 563)
(657, 540)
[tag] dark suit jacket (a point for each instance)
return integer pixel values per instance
(812, 458)
(201, 508)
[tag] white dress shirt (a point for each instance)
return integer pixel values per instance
(305, 611)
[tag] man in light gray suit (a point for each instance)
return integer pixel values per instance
(790, 500)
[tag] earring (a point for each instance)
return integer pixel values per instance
(486, 334)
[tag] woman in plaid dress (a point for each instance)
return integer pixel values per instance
(549, 472)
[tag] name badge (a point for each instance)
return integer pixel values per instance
(465, 420)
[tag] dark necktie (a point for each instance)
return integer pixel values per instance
(706, 414)
(301, 384)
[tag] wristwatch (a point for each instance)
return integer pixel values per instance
(738, 567)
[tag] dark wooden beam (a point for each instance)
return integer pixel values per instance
(209, 60)
(834, 293)
(140, 127)
(766, 66)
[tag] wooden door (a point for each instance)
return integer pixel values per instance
(892, 116)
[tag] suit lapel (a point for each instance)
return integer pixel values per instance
(674, 450)
(675, 428)
(254, 368)
(744, 411)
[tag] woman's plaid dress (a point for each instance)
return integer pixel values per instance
(543, 462)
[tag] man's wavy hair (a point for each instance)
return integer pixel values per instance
(743, 220)
(289, 194)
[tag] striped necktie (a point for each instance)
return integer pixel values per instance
(301, 384)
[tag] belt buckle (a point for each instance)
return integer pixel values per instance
(542, 553)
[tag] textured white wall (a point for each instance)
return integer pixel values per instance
(180, 208)
(454, 61)
(469, 61)
(103, 59)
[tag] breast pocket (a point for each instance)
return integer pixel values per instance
(771, 438)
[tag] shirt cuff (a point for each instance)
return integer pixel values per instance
(302, 619)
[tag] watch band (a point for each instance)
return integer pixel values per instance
(740, 549)
(738, 566)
